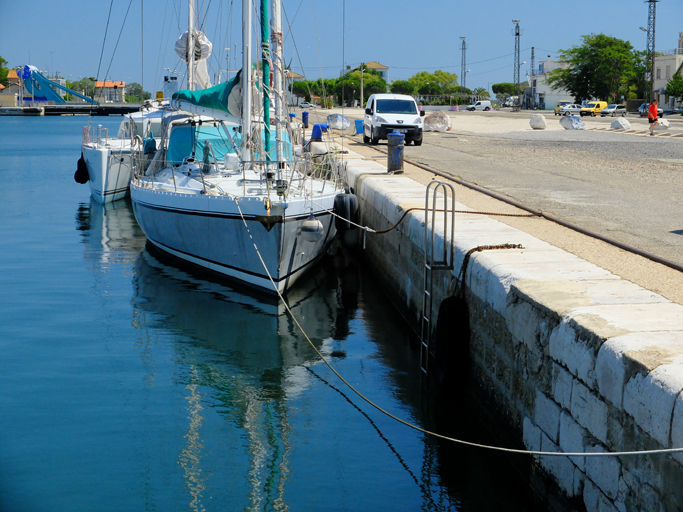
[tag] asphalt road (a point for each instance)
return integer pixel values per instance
(623, 186)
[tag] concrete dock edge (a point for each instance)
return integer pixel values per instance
(574, 357)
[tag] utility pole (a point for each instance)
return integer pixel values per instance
(516, 33)
(361, 85)
(650, 48)
(533, 89)
(463, 65)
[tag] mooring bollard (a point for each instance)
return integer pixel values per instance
(304, 119)
(395, 147)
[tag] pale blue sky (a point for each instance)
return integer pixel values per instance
(407, 36)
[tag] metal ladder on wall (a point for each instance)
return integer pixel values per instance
(431, 263)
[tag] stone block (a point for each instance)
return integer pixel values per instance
(538, 122)
(677, 428)
(573, 439)
(562, 386)
(595, 500)
(561, 297)
(547, 416)
(663, 125)
(620, 124)
(605, 472)
(650, 399)
(622, 357)
(531, 435)
(523, 321)
(576, 354)
(572, 123)
(507, 267)
(560, 467)
(589, 411)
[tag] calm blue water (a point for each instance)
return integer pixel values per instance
(127, 383)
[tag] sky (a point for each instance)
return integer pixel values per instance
(67, 36)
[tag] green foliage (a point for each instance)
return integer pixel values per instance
(403, 87)
(504, 89)
(439, 82)
(135, 93)
(601, 66)
(3, 72)
(674, 87)
(301, 89)
(85, 86)
(481, 92)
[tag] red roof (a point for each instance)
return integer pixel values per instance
(106, 83)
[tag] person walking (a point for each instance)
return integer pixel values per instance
(652, 117)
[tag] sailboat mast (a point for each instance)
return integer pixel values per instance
(246, 79)
(265, 66)
(278, 69)
(190, 47)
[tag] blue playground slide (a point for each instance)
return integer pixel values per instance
(42, 89)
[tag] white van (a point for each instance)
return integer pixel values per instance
(385, 113)
(480, 105)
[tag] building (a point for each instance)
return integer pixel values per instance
(10, 96)
(376, 66)
(667, 64)
(544, 98)
(110, 92)
(291, 77)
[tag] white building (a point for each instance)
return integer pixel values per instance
(544, 97)
(667, 63)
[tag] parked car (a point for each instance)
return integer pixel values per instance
(385, 113)
(571, 109)
(559, 105)
(593, 107)
(642, 110)
(480, 105)
(305, 104)
(613, 110)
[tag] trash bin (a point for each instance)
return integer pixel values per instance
(359, 126)
(395, 145)
(454, 108)
(317, 132)
(304, 119)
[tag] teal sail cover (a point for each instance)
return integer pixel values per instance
(216, 97)
(187, 140)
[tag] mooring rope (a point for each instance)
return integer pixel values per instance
(383, 231)
(420, 429)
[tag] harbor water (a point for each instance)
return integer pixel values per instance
(128, 382)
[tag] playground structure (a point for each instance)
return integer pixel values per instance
(42, 90)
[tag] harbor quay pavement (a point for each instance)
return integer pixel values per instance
(575, 346)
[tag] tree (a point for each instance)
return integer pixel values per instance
(505, 88)
(601, 67)
(481, 92)
(430, 89)
(674, 87)
(300, 89)
(3, 72)
(136, 94)
(402, 87)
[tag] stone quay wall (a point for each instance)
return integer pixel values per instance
(573, 358)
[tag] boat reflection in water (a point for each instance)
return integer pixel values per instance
(246, 356)
(110, 232)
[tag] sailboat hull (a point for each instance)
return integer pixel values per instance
(109, 172)
(236, 238)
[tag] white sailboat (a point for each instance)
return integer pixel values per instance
(218, 197)
(108, 160)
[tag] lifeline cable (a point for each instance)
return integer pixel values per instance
(420, 429)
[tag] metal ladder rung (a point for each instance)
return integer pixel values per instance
(430, 264)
